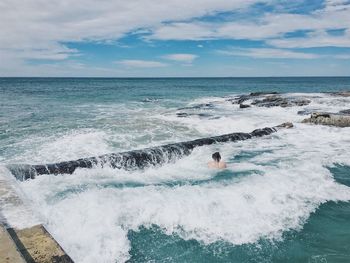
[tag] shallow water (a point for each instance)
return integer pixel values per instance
(284, 197)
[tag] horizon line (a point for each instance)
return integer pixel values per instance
(175, 77)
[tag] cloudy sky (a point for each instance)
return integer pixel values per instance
(155, 38)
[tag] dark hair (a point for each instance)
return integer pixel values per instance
(216, 157)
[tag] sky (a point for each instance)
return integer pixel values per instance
(174, 38)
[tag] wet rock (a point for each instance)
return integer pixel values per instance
(304, 112)
(268, 99)
(261, 93)
(300, 102)
(341, 93)
(185, 114)
(242, 99)
(274, 101)
(286, 125)
(198, 106)
(243, 106)
(345, 111)
(327, 118)
(307, 111)
(182, 114)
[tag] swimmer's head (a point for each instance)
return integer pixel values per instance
(216, 157)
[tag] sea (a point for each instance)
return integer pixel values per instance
(283, 198)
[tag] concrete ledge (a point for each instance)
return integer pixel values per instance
(22, 238)
(8, 250)
(37, 245)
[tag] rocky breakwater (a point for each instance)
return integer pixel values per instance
(341, 119)
(137, 159)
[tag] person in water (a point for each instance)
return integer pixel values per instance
(217, 163)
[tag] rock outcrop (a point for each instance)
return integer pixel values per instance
(345, 111)
(274, 101)
(331, 119)
(341, 93)
(268, 99)
(243, 106)
(204, 106)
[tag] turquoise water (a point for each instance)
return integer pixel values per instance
(283, 198)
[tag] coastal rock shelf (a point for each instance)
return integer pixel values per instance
(136, 159)
(268, 99)
(340, 119)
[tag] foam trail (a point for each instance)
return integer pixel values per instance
(137, 158)
(14, 212)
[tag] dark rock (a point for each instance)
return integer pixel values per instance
(198, 106)
(185, 114)
(262, 93)
(242, 99)
(204, 115)
(268, 99)
(182, 114)
(274, 101)
(243, 106)
(300, 102)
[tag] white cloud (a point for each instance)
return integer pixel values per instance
(134, 63)
(41, 29)
(271, 27)
(314, 39)
(44, 25)
(185, 58)
(267, 53)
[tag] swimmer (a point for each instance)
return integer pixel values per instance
(217, 163)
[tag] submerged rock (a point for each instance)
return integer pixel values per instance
(198, 106)
(331, 119)
(185, 114)
(150, 100)
(182, 114)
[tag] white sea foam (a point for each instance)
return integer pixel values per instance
(15, 208)
(91, 211)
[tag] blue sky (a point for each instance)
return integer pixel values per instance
(175, 38)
